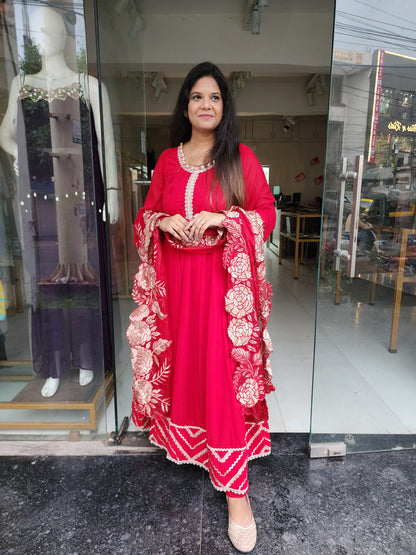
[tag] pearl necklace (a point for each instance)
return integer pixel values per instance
(193, 168)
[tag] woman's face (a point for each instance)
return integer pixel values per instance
(205, 105)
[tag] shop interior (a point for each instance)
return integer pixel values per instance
(281, 96)
(282, 103)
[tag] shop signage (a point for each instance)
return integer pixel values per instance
(398, 126)
(348, 56)
(376, 104)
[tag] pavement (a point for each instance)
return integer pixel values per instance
(134, 501)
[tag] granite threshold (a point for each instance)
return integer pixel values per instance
(133, 443)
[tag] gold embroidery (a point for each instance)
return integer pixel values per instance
(239, 301)
(60, 93)
(239, 331)
(189, 195)
(148, 338)
(207, 240)
(247, 321)
(240, 268)
(247, 304)
(248, 393)
(227, 467)
(190, 186)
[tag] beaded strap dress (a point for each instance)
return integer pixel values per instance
(59, 180)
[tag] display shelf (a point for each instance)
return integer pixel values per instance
(399, 278)
(396, 279)
(92, 399)
(299, 235)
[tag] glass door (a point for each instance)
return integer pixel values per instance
(364, 382)
(120, 74)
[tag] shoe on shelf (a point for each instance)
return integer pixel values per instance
(243, 538)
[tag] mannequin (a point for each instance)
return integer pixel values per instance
(49, 34)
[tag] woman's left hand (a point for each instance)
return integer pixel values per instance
(202, 221)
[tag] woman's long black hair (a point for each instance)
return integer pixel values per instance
(225, 151)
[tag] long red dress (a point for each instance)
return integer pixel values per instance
(199, 341)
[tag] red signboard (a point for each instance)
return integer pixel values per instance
(376, 106)
(300, 177)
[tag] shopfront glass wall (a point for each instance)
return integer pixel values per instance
(114, 31)
(121, 76)
(364, 382)
(55, 364)
(263, 72)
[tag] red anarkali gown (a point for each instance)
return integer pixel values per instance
(199, 348)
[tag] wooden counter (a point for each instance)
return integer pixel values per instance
(297, 233)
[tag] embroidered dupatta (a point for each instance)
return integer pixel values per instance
(247, 303)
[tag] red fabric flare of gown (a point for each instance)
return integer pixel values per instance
(206, 425)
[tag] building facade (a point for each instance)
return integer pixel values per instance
(86, 93)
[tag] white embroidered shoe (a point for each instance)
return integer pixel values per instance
(243, 538)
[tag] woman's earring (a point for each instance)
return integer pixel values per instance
(185, 113)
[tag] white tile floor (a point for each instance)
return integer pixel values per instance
(291, 328)
(359, 387)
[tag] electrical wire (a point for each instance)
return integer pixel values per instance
(390, 14)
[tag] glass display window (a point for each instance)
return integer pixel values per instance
(55, 341)
(386, 100)
(406, 103)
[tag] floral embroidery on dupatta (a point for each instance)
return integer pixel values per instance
(248, 305)
(148, 332)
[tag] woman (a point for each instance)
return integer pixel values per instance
(200, 348)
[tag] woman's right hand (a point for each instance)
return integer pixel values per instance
(175, 225)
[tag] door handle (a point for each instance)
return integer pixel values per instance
(351, 254)
(355, 215)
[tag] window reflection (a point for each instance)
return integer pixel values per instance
(366, 314)
(52, 252)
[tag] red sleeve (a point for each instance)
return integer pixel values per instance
(154, 196)
(258, 196)
(152, 204)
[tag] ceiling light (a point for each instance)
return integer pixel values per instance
(255, 21)
(252, 15)
(289, 121)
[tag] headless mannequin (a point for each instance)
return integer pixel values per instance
(49, 34)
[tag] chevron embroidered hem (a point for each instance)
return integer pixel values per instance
(227, 467)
